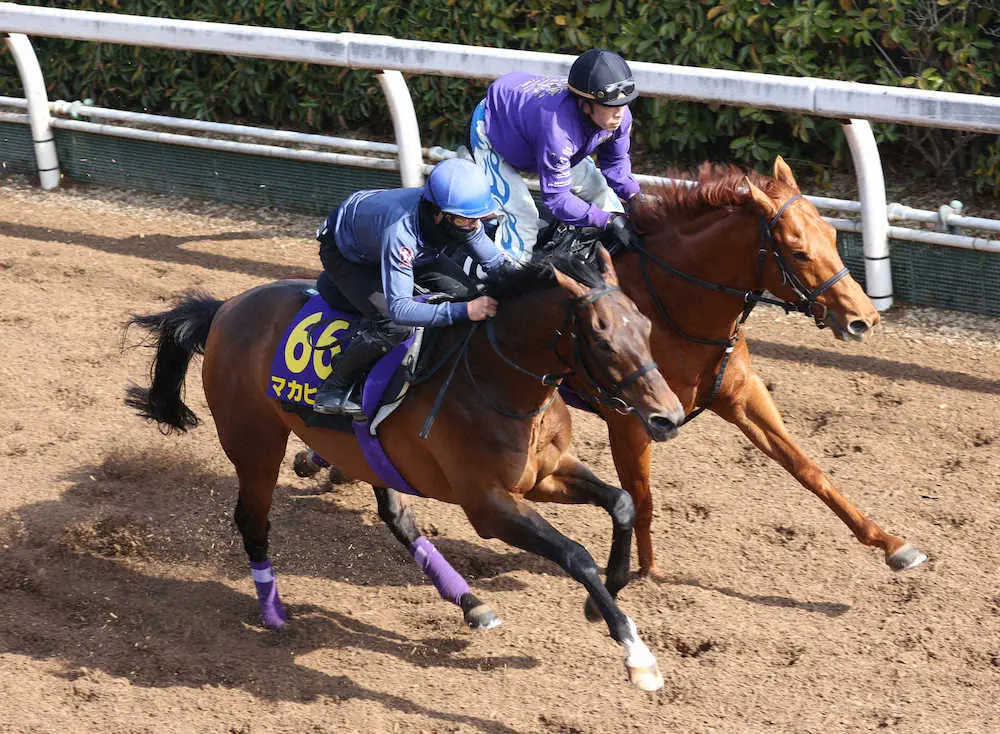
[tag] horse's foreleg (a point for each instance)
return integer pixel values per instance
(496, 514)
(631, 450)
(397, 513)
(573, 483)
(757, 416)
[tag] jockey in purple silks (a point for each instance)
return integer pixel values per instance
(378, 244)
(551, 127)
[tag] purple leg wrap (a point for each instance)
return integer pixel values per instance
(318, 460)
(271, 608)
(449, 583)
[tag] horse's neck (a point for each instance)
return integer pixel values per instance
(719, 246)
(526, 329)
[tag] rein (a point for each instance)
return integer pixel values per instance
(807, 303)
(609, 396)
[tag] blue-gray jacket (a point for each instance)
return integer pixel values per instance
(383, 226)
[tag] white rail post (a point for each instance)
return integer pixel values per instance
(874, 211)
(404, 124)
(38, 109)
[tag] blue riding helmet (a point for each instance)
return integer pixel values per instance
(460, 187)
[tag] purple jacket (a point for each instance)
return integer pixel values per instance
(535, 125)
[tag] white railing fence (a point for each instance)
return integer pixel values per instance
(855, 104)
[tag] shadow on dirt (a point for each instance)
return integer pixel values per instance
(164, 249)
(891, 369)
(109, 579)
(830, 609)
(98, 614)
(168, 507)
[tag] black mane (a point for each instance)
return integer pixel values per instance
(573, 250)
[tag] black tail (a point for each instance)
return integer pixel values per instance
(178, 334)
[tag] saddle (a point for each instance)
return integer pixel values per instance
(303, 360)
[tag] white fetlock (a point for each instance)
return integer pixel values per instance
(643, 672)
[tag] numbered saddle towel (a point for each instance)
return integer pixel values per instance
(303, 360)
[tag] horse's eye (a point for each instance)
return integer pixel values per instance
(801, 256)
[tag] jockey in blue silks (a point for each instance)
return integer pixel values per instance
(378, 244)
(551, 127)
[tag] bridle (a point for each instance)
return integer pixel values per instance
(608, 395)
(807, 302)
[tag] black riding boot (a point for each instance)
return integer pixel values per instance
(336, 395)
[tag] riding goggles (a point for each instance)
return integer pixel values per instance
(610, 93)
(467, 223)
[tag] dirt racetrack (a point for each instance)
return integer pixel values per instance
(126, 606)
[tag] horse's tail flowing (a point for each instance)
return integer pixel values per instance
(178, 335)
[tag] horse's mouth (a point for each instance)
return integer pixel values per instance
(849, 337)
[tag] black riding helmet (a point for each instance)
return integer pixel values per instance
(602, 76)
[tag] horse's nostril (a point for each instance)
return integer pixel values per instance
(858, 327)
(661, 422)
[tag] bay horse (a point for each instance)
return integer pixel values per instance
(501, 437)
(709, 253)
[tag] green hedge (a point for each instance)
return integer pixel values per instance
(930, 44)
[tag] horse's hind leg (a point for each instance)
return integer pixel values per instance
(397, 513)
(496, 514)
(573, 483)
(257, 449)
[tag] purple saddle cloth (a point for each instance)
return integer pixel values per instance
(302, 362)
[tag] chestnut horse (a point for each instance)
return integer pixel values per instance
(708, 254)
(500, 436)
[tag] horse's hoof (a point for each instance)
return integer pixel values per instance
(591, 612)
(905, 558)
(304, 466)
(335, 476)
(274, 619)
(652, 573)
(481, 617)
(645, 677)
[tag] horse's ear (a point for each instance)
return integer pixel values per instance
(783, 173)
(762, 200)
(575, 289)
(610, 275)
